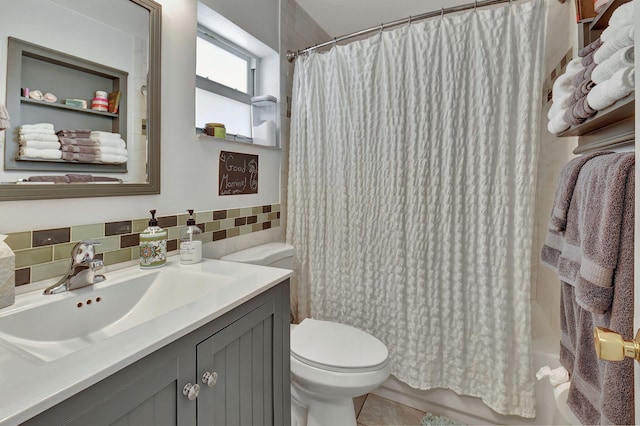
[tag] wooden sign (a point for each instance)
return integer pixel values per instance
(237, 174)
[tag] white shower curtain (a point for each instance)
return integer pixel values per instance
(411, 196)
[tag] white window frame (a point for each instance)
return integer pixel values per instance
(205, 84)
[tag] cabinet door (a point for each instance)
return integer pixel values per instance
(146, 393)
(248, 390)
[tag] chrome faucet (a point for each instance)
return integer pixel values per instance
(82, 271)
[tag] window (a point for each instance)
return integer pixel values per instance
(225, 81)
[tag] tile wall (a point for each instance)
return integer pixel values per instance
(45, 253)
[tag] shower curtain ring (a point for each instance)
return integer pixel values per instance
(409, 19)
(475, 5)
(442, 13)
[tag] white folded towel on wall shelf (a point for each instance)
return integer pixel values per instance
(99, 134)
(45, 154)
(623, 15)
(110, 150)
(623, 58)
(38, 137)
(36, 126)
(619, 40)
(557, 124)
(110, 142)
(109, 158)
(605, 94)
(608, 33)
(40, 144)
(559, 106)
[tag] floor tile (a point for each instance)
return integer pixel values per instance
(378, 411)
(358, 403)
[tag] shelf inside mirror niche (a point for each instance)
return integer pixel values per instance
(67, 107)
(67, 77)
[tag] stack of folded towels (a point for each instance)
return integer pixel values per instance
(602, 74)
(39, 141)
(570, 91)
(111, 147)
(614, 74)
(76, 145)
(92, 146)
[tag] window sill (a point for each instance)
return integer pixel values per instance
(231, 138)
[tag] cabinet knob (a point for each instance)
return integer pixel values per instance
(210, 379)
(191, 391)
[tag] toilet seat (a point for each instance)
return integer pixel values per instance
(337, 347)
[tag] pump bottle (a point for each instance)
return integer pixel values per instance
(153, 245)
(190, 242)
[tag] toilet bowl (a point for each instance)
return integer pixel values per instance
(331, 363)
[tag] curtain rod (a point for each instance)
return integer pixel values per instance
(293, 55)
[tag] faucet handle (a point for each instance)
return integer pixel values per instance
(83, 251)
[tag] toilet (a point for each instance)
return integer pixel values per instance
(331, 363)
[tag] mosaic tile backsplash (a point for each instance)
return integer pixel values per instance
(45, 253)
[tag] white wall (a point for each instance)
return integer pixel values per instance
(258, 18)
(561, 36)
(189, 167)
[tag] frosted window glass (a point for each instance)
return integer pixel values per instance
(213, 108)
(219, 65)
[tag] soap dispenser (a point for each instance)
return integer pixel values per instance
(190, 242)
(153, 245)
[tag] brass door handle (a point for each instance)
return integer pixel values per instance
(610, 346)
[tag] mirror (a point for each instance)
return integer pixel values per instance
(70, 37)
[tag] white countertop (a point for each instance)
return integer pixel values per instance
(29, 387)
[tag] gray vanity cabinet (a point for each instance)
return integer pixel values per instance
(247, 349)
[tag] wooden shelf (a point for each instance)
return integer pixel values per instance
(67, 107)
(619, 111)
(601, 21)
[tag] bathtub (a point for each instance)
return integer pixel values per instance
(472, 411)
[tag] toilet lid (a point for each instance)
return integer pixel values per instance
(337, 347)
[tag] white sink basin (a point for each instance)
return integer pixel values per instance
(49, 327)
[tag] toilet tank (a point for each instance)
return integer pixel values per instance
(278, 255)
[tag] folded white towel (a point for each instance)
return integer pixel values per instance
(33, 136)
(99, 134)
(112, 150)
(574, 67)
(563, 86)
(41, 131)
(620, 40)
(622, 15)
(36, 126)
(599, 4)
(46, 154)
(109, 158)
(559, 106)
(40, 144)
(608, 33)
(621, 83)
(557, 124)
(623, 58)
(110, 142)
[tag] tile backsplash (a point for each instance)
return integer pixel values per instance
(44, 253)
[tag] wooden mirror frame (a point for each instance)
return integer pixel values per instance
(15, 192)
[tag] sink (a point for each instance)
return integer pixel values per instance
(48, 327)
